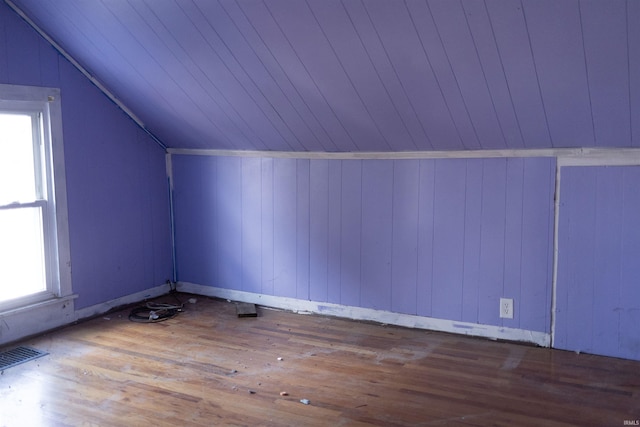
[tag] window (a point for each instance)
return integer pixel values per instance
(34, 249)
(23, 206)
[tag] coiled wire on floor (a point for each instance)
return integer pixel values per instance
(153, 312)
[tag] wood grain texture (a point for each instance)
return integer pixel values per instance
(201, 367)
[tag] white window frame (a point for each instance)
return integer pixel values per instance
(54, 307)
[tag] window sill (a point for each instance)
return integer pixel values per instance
(28, 320)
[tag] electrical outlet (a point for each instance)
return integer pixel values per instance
(506, 308)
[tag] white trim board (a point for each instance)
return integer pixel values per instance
(95, 310)
(357, 313)
(567, 156)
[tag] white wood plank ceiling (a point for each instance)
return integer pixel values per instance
(363, 75)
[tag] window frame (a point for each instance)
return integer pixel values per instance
(46, 102)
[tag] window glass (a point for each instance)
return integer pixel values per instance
(18, 159)
(21, 253)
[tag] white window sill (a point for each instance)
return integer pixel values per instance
(25, 321)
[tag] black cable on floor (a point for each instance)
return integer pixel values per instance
(153, 312)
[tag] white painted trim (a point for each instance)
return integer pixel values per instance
(59, 197)
(36, 318)
(602, 157)
(566, 156)
(104, 307)
(384, 155)
(358, 313)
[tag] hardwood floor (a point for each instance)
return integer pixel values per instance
(208, 367)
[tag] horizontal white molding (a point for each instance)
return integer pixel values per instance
(358, 313)
(96, 310)
(366, 155)
(602, 157)
(565, 155)
(36, 318)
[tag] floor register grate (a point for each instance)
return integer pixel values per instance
(19, 355)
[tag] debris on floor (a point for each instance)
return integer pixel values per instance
(245, 309)
(193, 300)
(284, 393)
(305, 401)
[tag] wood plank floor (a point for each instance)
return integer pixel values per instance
(208, 367)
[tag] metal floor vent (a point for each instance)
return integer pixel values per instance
(19, 355)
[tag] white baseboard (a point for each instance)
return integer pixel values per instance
(357, 313)
(104, 307)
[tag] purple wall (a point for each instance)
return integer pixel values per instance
(116, 181)
(598, 297)
(440, 238)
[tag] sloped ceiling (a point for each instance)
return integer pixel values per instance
(363, 75)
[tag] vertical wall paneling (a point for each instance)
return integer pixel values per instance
(193, 249)
(267, 227)
(607, 61)
(334, 235)
(251, 224)
(426, 229)
(229, 207)
(633, 46)
(319, 231)
(608, 254)
(351, 232)
(629, 292)
(513, 236)
(492, 237)
(284, 227)
(472, 241)
(303, 212)
(404, 228)
(376, 237)
(597, 292)
(448, 238)
(443, 238)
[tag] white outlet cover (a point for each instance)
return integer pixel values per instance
(506, 308)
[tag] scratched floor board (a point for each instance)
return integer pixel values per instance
(208, 367)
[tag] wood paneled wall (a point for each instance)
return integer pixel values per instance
(598, 294)
(443, 238)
